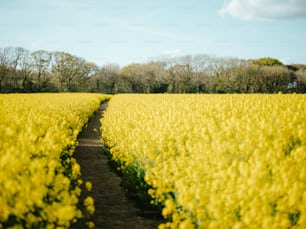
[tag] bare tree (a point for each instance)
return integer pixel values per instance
(300, 74)
(108, 80)
(85, 71)
(41, 61)
(25, 67)
(155, 77)
(64, 68)
(72, 72)
(4, 66)
(15, 55)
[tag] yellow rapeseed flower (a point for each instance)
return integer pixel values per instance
(215, 161)
(38, 135)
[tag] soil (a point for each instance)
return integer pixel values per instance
(113, 208)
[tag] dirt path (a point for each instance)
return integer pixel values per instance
(113, 208)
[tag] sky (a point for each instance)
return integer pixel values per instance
(124, 32)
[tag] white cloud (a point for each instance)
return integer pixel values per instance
(264, 9)
(172, 53)
(286, 60)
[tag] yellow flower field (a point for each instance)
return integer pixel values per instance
(38, 175)
(215, 161)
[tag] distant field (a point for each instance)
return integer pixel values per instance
(215, 161)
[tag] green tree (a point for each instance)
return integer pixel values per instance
(267, 61)
(72, 73)
(135, 75)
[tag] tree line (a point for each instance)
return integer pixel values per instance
(44, 71)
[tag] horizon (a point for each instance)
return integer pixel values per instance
(113, 32)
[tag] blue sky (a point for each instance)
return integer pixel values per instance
(122, 32)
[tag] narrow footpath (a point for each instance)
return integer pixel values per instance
(114, 209)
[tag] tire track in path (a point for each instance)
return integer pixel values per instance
(113, 209)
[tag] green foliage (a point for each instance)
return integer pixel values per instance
(294, 217)
(267, 61)
(133, 181)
